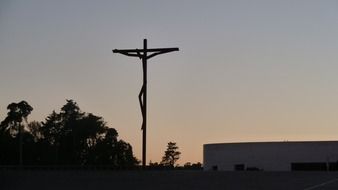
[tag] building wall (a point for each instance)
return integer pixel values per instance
(268, 156)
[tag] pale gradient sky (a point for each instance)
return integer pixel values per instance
(246, 70)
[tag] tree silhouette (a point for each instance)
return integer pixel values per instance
(16, 114)
(193, 166)
(71, 137)
(171, 155)
(34, 129)
(12, 126)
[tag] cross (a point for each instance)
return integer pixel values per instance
(143, 55)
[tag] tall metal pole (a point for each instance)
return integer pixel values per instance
(144, 139)
(143, 54)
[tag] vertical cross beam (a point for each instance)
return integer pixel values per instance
(144, 105)
(143, 55)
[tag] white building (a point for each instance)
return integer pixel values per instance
(271, 156)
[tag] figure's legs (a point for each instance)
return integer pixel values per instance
(141, 94)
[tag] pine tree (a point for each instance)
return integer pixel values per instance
(171, 155)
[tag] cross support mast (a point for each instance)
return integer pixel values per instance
(144, 56)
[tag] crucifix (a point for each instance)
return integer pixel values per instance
(142, 97)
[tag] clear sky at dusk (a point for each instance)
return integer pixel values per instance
(246, 70)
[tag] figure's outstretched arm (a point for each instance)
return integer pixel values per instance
(161, 51)
(157, 53)
(132, 53)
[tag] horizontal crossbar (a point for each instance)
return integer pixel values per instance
(144, 50)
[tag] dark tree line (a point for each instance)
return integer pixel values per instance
(70, 137)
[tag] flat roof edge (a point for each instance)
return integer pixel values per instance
(269, 142)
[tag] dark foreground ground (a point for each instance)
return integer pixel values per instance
(171, 180)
